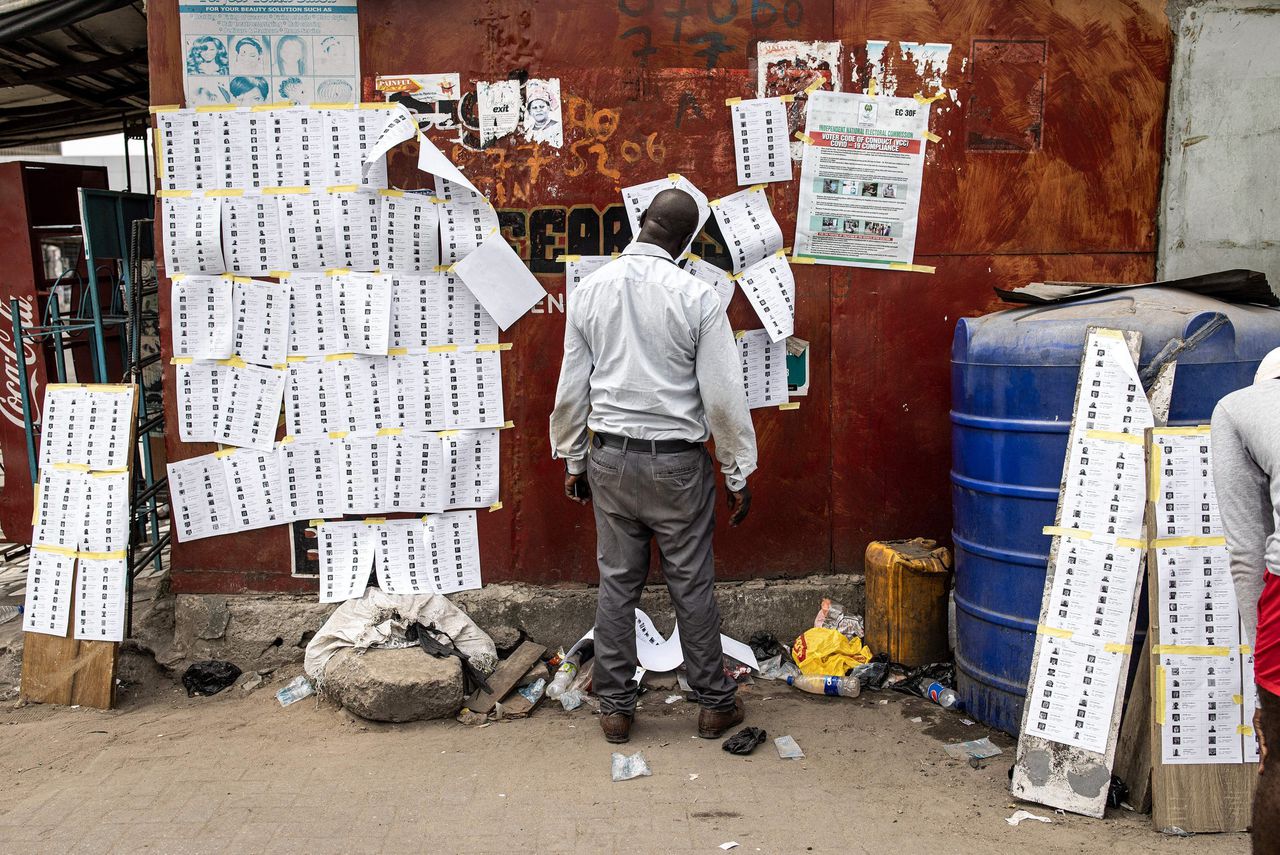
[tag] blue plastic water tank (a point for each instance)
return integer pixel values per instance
(1013, 382)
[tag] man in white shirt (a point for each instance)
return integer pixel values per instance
(652, 369)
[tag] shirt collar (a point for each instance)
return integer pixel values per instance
(640, 248)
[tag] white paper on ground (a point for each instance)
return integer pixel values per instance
(500, 280)
(656, 653)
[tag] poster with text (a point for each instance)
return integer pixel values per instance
(284, 50)
(860, 179)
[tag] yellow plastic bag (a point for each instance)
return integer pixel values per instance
(828, 653)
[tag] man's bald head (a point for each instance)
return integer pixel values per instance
(670, 221)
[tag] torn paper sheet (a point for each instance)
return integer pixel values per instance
(1020, 815)
(500, 280)
(656, 653)
(498, 108)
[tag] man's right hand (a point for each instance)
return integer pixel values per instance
(739, 504)
(576, 487)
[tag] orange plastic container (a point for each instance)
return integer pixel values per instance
(907, 583)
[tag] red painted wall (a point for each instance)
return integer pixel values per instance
(1048, 169)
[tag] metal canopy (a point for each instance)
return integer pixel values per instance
(71, 69)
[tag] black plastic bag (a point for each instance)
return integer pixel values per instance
(745, 740)
(918, 680)
(425, 635)
(766, 646)
(209, 677)
(1118, 793)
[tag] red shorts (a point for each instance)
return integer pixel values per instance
(1266, 647)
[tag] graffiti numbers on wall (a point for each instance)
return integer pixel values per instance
(713, 27)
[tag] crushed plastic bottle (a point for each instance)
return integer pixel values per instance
(8, 613)
(817, 685)
(300, 687)
(943, 696)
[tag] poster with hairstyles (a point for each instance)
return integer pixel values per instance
(265, 53)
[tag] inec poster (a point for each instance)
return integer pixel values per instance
(860, 179)
(238, 52)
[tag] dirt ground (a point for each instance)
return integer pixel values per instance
(238, 773)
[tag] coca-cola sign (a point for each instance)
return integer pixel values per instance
(11, 403)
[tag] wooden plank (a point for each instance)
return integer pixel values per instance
(1214, 797)
(506, 676)
(1133, 750)
(65, 670)
(1066, 776)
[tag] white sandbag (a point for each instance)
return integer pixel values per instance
(380, 619)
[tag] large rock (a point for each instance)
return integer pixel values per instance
(395, 685)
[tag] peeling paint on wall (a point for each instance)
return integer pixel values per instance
(893, 62)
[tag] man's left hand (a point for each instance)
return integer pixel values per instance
(739, 504)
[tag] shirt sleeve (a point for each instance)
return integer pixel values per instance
(1244, 505)
(573, 400)
(724, 400)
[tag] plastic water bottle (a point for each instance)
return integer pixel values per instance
(815, 685)
(296, 690)
(943, 696)
(8, 613)
(564, 676)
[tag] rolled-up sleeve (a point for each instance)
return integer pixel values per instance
(573, 400)
(719, 370)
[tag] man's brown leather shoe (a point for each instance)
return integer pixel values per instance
(713, 723)
(616, 727)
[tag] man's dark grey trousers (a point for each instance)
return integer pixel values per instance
(642, 496)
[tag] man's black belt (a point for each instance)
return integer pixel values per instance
(656, 446)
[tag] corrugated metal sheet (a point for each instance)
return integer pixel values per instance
(1048, 168)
